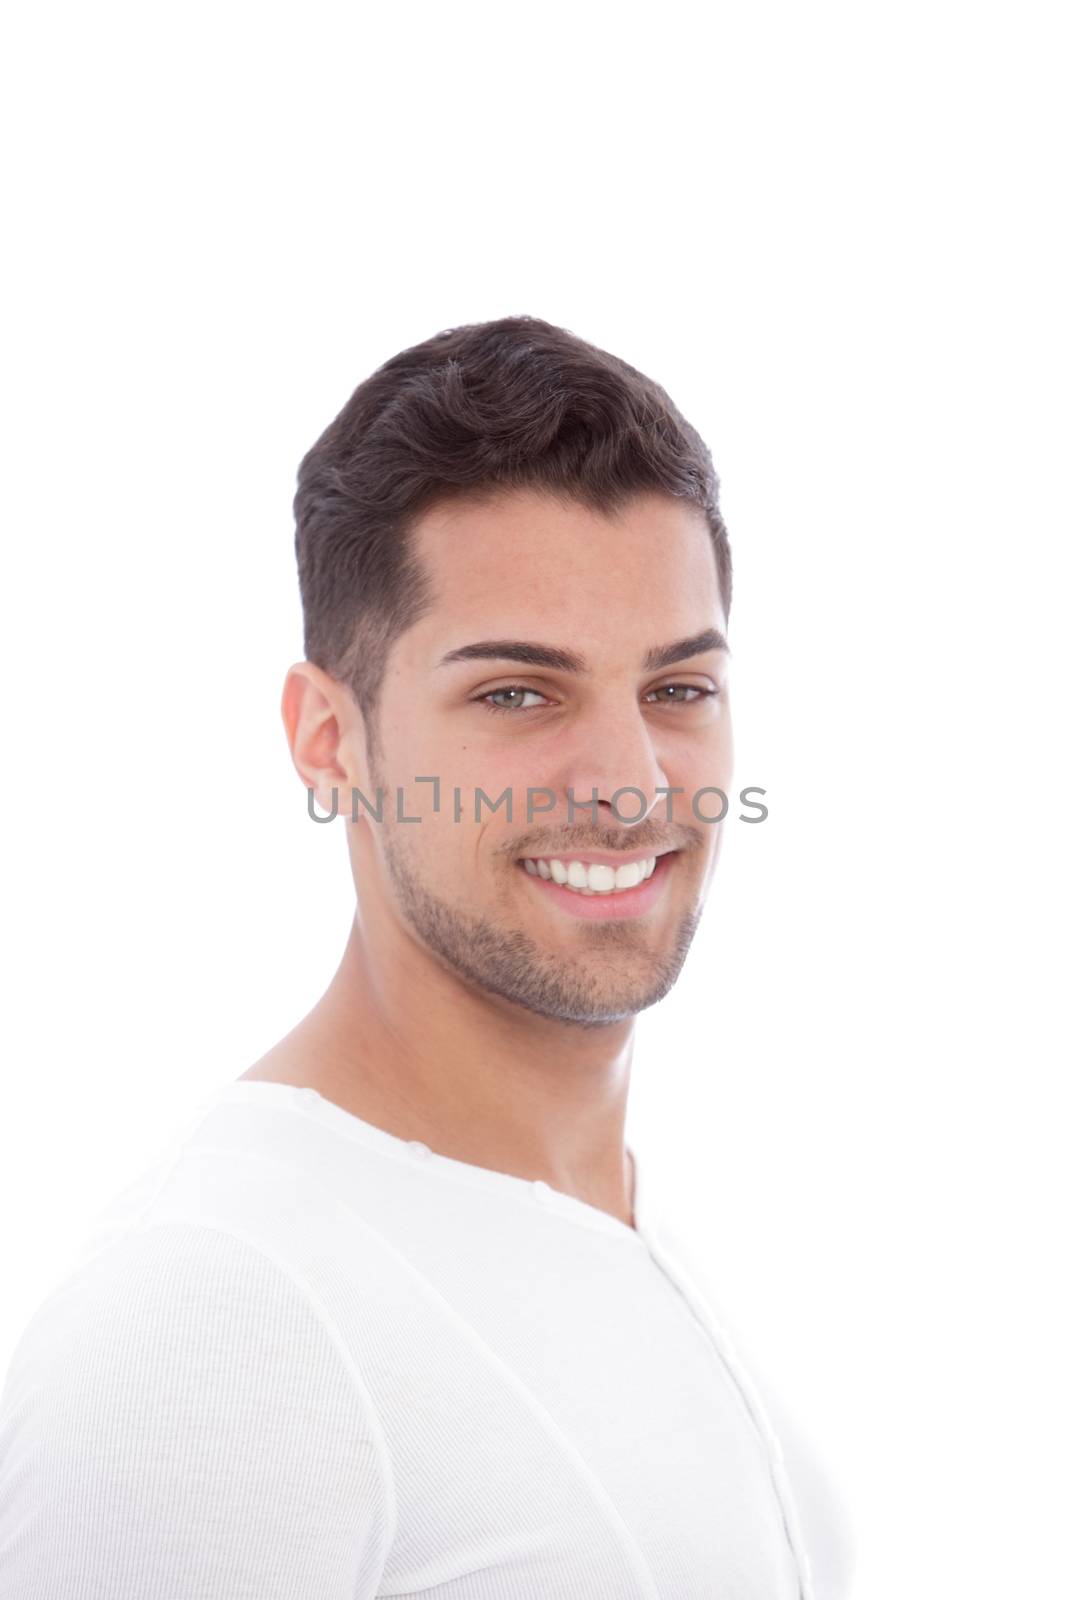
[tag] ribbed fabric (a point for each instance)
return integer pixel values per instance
(304, 1358)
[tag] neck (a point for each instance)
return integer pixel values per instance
(402, 1042)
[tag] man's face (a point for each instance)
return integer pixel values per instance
(530, 570)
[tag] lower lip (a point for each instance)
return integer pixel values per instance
(607, 907)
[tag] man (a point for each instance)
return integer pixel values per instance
(393, 1319)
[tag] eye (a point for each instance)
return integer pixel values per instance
(509, 689)
(693, 693)
(688, 688)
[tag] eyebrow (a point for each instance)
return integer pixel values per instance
(557, 660)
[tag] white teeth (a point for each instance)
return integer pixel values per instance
(591, 878)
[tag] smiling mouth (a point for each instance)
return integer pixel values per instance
(593, 878)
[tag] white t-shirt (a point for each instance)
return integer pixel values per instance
(304, 1359)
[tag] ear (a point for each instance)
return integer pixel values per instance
(319, 716)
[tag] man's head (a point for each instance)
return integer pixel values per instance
(507, 484)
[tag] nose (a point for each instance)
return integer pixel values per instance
(615, 754)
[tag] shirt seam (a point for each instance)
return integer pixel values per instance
(328, 1326)
(547, 1422)
(749, 1396)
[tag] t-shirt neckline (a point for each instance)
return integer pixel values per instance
(310, 1102)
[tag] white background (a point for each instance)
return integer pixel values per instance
(833, 232)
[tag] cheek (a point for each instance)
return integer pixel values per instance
(724, 749)
(468, 765)
(488, 778)
(708, 760)
(455, 856)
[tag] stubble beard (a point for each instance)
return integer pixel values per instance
(615, 979)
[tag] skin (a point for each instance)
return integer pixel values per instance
(468, 1010)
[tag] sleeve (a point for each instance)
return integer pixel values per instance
(179, 1421)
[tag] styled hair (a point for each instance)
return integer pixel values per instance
(516, 403)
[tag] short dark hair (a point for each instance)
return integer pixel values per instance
(516, 403)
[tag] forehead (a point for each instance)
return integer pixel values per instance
(523, 558)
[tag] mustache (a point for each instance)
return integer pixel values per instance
(625, 843)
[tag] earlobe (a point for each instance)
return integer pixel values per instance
(310, 713)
